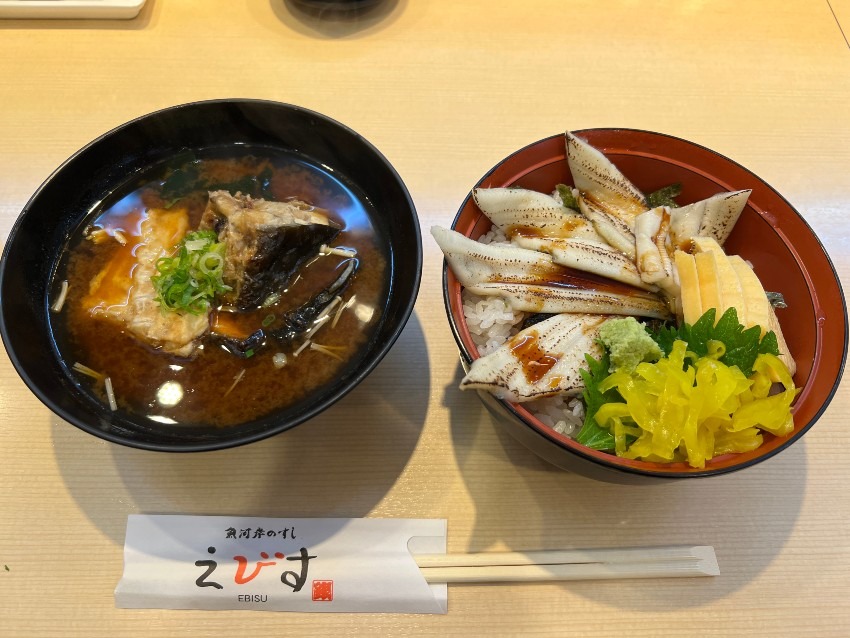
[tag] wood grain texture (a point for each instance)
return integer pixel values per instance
(445, 90)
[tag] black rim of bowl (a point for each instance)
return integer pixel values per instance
(377, 352)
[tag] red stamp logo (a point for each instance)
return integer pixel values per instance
(323, 590)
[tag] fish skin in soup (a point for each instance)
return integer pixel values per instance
(266, 242)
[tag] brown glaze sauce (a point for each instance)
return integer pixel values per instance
(663, 228)
(565, 277)
(524, 231)
(564, 228)
(139, 372)
(534, 360)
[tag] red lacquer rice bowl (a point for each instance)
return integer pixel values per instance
(770, 234)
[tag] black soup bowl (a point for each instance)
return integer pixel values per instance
(107, 169)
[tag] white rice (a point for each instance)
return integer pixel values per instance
(563, 414)
(494, 236)
(491, 322)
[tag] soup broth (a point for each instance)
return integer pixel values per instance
(213, 386)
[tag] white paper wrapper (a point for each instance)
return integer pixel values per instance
(280, 564)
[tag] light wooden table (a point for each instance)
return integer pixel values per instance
(445, 90)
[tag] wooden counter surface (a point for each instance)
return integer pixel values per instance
(444, 90)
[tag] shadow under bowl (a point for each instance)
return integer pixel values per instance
(102, 170)
(770, 234)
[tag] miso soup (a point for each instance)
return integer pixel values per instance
(264, 334)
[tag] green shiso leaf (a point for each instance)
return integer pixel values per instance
(664, 196)
(742, 344)
(592, 434)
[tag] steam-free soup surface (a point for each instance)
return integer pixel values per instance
(215, 387)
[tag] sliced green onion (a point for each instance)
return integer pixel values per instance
(195, 245)
(191, 278)
(211, 263)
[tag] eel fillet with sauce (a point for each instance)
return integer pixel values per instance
(606, 196)
(531, 281)
(539, 222)
(541, 361)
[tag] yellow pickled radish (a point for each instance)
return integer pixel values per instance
(670, 412)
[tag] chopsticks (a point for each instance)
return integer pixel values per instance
(573, 564)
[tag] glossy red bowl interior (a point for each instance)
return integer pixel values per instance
(784, 251)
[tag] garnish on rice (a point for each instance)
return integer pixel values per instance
(701, 398)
